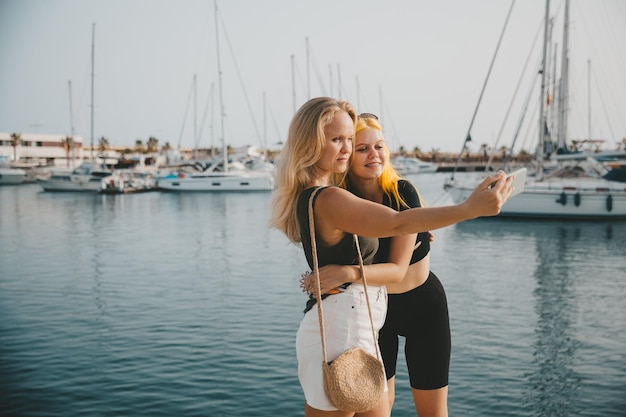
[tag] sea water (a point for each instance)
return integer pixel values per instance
(166, 304)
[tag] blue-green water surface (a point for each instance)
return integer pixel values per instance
(164, 304)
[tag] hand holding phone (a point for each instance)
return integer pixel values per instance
(518, 182)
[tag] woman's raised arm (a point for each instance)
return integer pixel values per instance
(339, 210)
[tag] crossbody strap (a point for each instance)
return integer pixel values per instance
(316, 271)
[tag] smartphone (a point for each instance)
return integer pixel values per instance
(518, 182)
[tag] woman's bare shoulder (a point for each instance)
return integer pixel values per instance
(335, 194)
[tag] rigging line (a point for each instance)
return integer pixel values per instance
(243, 87)
(275, 124)
(182, 129)
(204, 115)
(531, 125)
(606, 113)
(467, 137)
(393, 125)
(531, 122)
(519, 126)
(608, 91)
(318, 76)
(82, 93)
(519, 82)
(299, 77)
(608, 21)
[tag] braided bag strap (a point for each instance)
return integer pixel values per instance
(316, 271)
(318, 284)
(367, 297)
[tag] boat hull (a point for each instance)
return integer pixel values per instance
(73, 184)
(12, 176)
(217, 183)
(597, 199)
(408, 165)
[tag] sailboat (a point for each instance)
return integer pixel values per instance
(220, 176)
(577, 188)
(88, 176)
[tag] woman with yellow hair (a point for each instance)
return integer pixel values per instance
(417, 307)
(315, 157)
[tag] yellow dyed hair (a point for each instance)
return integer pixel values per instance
(388, 179)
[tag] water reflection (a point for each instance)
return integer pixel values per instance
(100, 223)
(208, 234)
(574, 298)
(553, 383)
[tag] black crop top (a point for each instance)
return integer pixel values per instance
(410, 196)
(343, 253)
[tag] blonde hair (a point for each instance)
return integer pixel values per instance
(296, 163)
(388, 179)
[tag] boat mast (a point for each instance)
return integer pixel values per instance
(564, 85)
(330, 80)
(219, 78)
(380, 102)
(339, 86)
(542, 94)
(93, 60)
(589, 98)
(358, 93)
(69, 87)
(553, 84)
(264, 127)
(293, 83)
(195, 117)
(308, 69)
(212, 121)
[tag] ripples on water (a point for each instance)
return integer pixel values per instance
(166, 304)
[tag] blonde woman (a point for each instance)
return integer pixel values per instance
(417, 306)
(316, 155)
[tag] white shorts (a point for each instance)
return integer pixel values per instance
(346, 325)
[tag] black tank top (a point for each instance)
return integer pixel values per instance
(342, 253)
(410, 196)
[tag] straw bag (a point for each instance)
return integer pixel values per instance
(355, 380)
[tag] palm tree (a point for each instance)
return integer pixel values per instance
(103, 146)
(504, 151)
(434, 153)
(484, 147)
(68, 145)
(16, 140)
(139, 146)
(153, 144)
(524, 156)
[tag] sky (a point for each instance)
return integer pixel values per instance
(421, 65)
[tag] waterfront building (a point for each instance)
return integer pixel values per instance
(42, 149)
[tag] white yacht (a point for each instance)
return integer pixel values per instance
(214, 178)
(12, 175)
(86, 177)
(409, 165)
